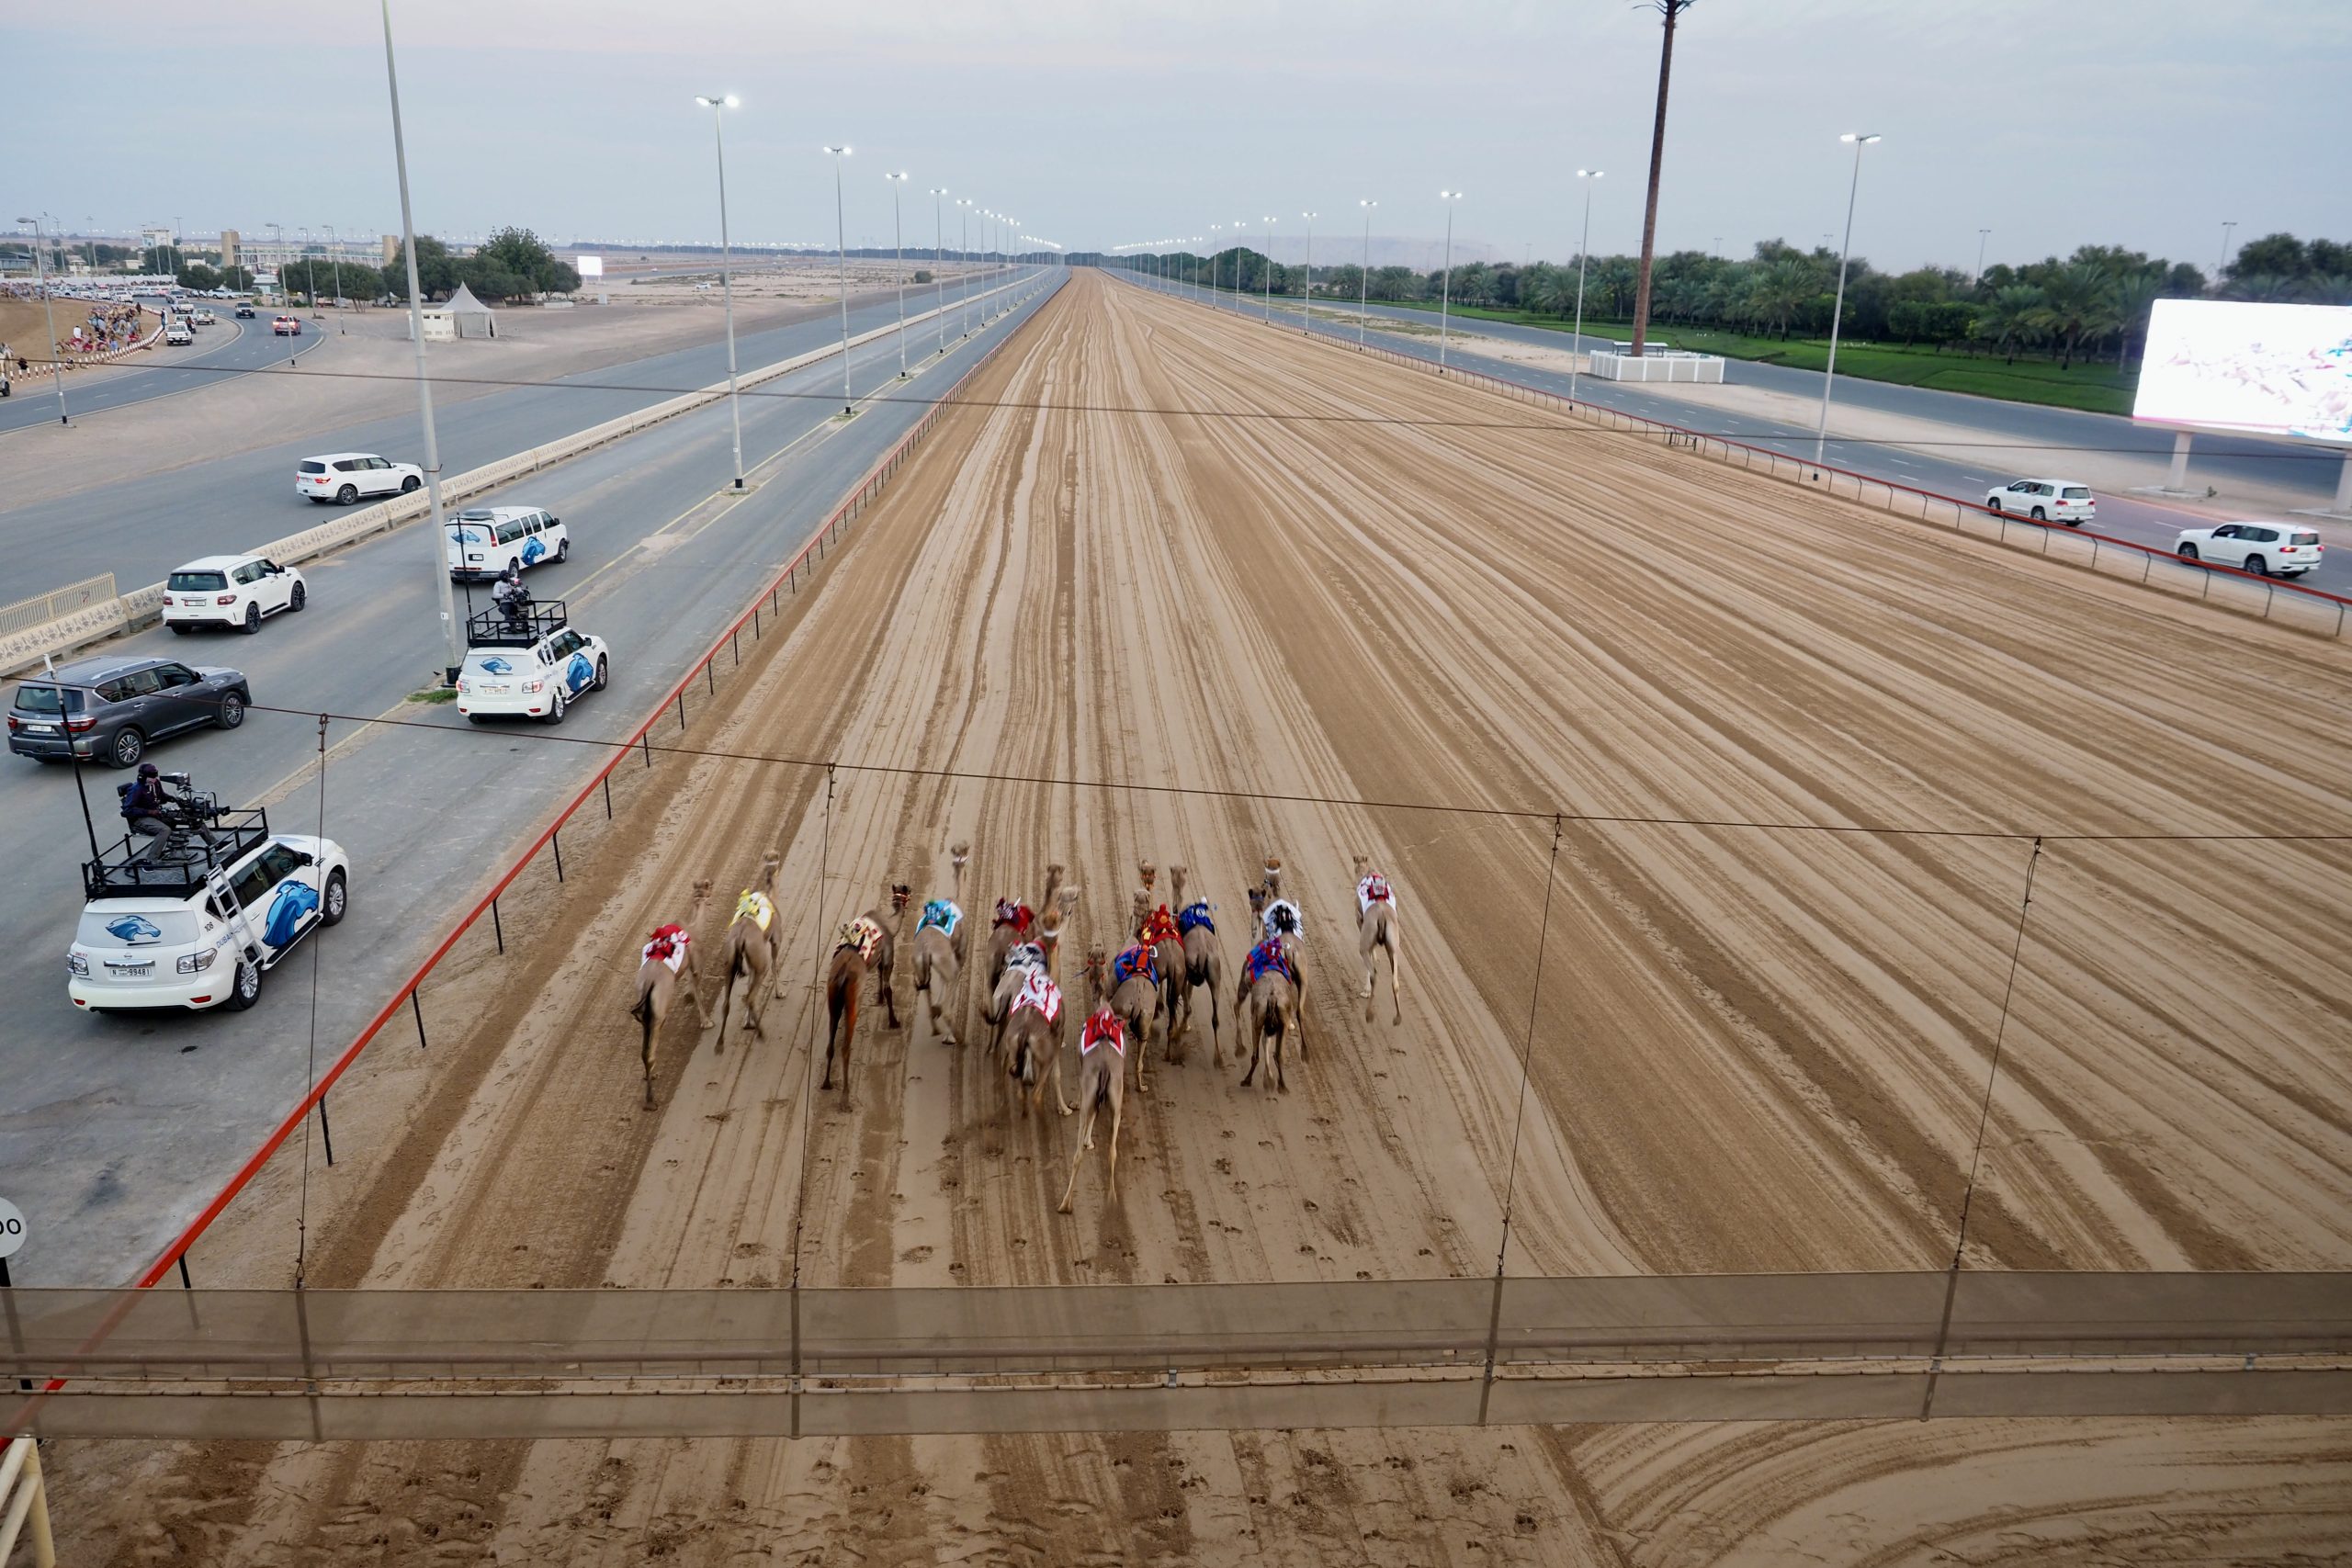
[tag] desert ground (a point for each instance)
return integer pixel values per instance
(1800, 754)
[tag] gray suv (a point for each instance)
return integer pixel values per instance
(110, 709)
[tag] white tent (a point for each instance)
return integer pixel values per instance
(461, 315)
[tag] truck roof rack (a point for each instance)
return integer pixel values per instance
(495, 628)
(174, 864)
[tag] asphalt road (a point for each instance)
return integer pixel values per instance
(2138, 519)
(141, 529)
(115, 1131)
(227, 348)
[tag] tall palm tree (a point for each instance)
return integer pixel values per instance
(1778, 290)
(1671, 10)
(2011, 317)
(2129, 299)
(2073, 306)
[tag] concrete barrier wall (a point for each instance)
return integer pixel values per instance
(25, 649)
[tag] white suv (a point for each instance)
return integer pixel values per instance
(485, 541)
(230, 591)
(527, 666)
(2045, 500)
(344, 477)
(2263, 548)
(193, 919)
(177, 332)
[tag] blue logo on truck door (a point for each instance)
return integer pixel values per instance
(294, 900)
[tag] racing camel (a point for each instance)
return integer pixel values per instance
(1376, 927)
(664, 954)
(1266, 1010)
(866, 943)
(1204, 964)
(1016, 923)
(1101, 1080)
(1135, 997)
(1156, 929)
(755, 948)
(939, 949)
(1278, 919)
(1031, 1022)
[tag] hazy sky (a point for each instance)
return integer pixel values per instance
(2144, 122)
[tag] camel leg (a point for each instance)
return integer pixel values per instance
(1367, 938)
(890, 1002)
(1396, 981)
(694, 975)
(1065, 1104)
(1244, 1016)
(1077, 1156)
(1116, 1104)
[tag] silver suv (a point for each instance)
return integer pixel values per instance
(110, 709)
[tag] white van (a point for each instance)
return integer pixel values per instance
(485, 539)
(194, 919)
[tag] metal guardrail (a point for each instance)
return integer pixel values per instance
(26, 614)
(24, 1503)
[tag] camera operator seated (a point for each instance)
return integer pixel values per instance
(153, 810)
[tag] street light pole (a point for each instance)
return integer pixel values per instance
(452, 633)
(1445, 288)
(841, 250)
(48, 312)
(1363, 275)
(899, 238)
(964, 275)
(718, 105)
(1981, 235)
(1269, 290)
(938, 265)
(277, 242)
(1306, 283)
(334, 248)
(1829, 374)
(2225, 259)
(1584, 248)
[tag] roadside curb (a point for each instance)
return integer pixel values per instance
(22, 651)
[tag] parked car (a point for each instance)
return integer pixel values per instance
(244, 312)
(530, 666)
(285, 326)
(485, 540)
(2045, 500)
(204, 316)
(177, 332)
(112, 707)
(2266, 549)
(230, 591)
(193, 919)
(344, 477)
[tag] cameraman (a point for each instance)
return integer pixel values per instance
(151, 809)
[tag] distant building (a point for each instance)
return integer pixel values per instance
(391, 249)
(228, 249)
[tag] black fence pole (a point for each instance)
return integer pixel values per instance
(496, 927)
(607, 782)
(682, 707)
(709, 680)
(185, 1283)
(417, 1008)
(555, 841)
(326, 1133)
(645, 739)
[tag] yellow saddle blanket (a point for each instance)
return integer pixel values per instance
(862, 934)
(756, 908)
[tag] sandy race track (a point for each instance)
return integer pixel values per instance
(1167, 547)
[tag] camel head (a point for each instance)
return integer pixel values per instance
(1053, 886)
(702, 895)
(1098, 976)
(1176, 885)
(898, 896)
(1361, 866)
(1140, 906)
(1148, 872)
(1052, 917)
(958, 854)
(1256, 903)
(1274, 877)
(769, 866)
